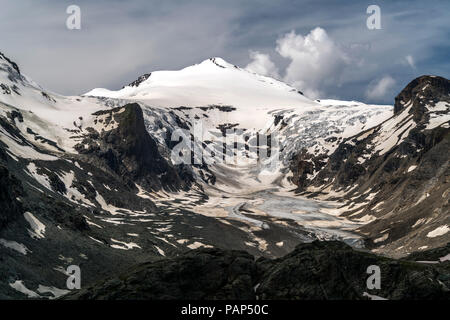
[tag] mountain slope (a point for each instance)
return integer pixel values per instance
(395, 175)
(82, 182)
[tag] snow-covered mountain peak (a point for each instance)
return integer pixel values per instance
(5, 60)
(211, 82)
(425, 101)
(10, 76)
(422, 91)
(219, 62)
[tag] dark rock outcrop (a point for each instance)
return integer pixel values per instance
(313, 271)
(129, 151)
(12, 63)
(139, 80)
(436, 254)
(333, 270)
(421, 91)
(200, 274)
(10, 190)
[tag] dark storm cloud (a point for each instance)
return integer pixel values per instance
(120, 40)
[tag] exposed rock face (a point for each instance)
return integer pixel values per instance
(305, 164)
(421, 91)
(200, 274)
(333, 270)
(318, 270)
(12, 63)
(14, 76)
(139, 80)
(397, 172)
(436, 255)
(10, 190)
(129, 151)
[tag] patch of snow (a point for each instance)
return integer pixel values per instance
(108, 207)
(428, 262)
(418, 222)
(366, 219)
(15, 246)
(19, 286)
(41, 179)
(95, 240)
(381, 239)
(72, 192)
(378, 205)
(160, 251)
(440, 106)
(445, 258)
(373, 297)
(438, 231)
(197, 244)
(22, 151)
(89, 222)
(53, 291)
(124, 245)
(37, 228)
(142, 193)
(437, 120)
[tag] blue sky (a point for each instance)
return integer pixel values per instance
(324, 48)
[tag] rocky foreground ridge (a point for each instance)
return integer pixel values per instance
(313, 271)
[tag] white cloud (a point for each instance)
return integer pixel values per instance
(378, 90)
(410, 60)
(316, 61)
(262, 65)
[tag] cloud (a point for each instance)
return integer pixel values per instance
(380, 89)
(262, 64)
(320, 66)
(316, 61)
(410, 60)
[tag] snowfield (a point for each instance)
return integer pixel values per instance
(212, 82)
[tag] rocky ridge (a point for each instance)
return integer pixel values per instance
(314, 271)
